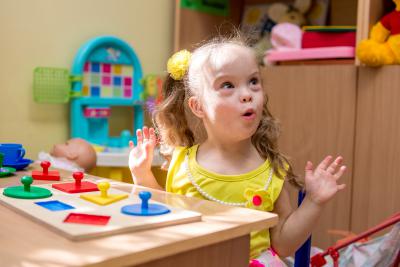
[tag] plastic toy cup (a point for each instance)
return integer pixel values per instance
(13, 153)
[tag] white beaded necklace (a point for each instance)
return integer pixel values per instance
(208, 196)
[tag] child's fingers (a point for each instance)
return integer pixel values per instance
(153, 137)
(148, 148)
(139, 137)
(145, 133)
(325, 163)
(332, 168)
(341, 186)
(339, 172)
(309, 168)
(131, 144)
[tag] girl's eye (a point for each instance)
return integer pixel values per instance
(254, 81)
(227, 85)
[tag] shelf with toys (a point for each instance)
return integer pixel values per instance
(328, 30)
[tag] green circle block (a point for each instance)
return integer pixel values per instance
(34, 193)
(6, 171)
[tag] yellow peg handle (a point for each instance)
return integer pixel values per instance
(103, 187)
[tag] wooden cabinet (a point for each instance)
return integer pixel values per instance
(192, 27)
(376, 178)
(316, 108)
(333, 109)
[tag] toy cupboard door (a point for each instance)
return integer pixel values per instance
(316, 108)
(376, 183)
(192, 27)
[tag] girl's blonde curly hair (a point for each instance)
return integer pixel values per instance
(177, 126)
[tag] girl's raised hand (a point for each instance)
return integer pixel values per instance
(141, 155)
(321, 183)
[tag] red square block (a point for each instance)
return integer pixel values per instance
(50, 175)
(82, 218)
(73, 188)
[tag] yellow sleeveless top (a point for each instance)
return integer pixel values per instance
(186, 177)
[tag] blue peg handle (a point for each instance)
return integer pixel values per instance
(145, 196)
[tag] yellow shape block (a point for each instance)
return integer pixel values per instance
(104, 198)
(99, 200)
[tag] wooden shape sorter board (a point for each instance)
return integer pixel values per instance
(117, 223)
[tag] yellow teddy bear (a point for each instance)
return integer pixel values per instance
(383, 46)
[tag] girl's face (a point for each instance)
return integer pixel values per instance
(232, 97)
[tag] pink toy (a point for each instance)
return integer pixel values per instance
(256, 263)
(310, 53)
(286, 36)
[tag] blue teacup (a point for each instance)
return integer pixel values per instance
(13, 153)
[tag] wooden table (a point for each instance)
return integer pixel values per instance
(220, 239)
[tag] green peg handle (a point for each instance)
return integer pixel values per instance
(27, 181)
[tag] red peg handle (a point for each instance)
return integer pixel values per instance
(78, 176)
(45, 166)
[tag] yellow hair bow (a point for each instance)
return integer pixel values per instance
(178, 64)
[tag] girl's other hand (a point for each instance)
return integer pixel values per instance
(321, 183)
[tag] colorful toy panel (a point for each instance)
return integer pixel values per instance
(111, 74)
(106, 73)
(107, 80)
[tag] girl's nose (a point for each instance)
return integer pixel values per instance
(246, 98)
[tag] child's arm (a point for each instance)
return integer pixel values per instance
(141, 157)
(294, 227)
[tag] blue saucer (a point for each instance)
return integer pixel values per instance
(22, 164)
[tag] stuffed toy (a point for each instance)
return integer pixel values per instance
(383, 46)
(294, 13)
(279, 12)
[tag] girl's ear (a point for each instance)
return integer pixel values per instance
(196, 107)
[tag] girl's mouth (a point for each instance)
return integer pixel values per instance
(249, 114)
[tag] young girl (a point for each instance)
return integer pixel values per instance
(237, 161)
